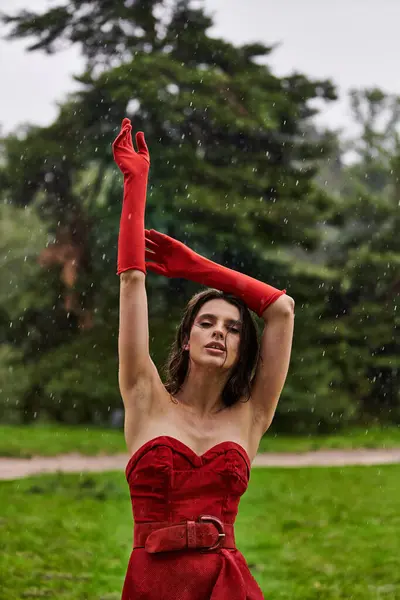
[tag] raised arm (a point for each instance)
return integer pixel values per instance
(273, 364)
(169, 257)
(136, 369)
(135, 365)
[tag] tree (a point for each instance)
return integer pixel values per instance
(366, 249)
(231, 159)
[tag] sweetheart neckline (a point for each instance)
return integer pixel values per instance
(198, 456)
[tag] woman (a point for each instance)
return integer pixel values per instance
(193, 439)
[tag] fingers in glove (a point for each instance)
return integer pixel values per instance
(150, 244)
(142, 146)
(148, 255)
(155, 268)
(161, 239)
(124, 138)
(155, 236)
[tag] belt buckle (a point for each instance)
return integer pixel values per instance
(218, 525)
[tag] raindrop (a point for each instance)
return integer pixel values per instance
(172, 88)
(133, 106)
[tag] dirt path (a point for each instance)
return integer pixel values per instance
(15, 468)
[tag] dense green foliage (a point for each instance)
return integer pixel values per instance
(236, 174)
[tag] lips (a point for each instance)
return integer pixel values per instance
(216, 345)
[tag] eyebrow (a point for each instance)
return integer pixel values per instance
(211, 316)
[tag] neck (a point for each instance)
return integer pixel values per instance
(202, 392)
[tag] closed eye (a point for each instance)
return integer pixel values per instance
(206, 324)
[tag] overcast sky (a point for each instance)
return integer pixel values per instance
(354, 42)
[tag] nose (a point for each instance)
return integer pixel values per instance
(218, 335)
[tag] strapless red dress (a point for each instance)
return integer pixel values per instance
(184, 507)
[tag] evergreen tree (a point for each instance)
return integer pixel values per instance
(233, 169)
(368, 250)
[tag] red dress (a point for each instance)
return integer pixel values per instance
(170, 484)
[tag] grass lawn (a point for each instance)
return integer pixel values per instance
(24, 441)
(330, 533)
(366, 437)
(50, 440)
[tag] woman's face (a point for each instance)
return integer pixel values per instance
(217, 321)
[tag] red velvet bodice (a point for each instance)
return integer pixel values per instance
(169, 482)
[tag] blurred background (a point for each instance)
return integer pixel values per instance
(273, 129)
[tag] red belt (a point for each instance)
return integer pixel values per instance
(206, 533)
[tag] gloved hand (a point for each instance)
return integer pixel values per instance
(171, 258)
(166, 256)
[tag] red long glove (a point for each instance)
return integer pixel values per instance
(135, 168)
(169, 257)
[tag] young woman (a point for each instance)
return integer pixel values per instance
(191, 440)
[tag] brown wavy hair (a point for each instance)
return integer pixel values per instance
(241, 378)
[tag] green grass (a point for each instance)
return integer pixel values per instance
(306, 533)
(50, 440)
(24, 441)
(365, 437)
